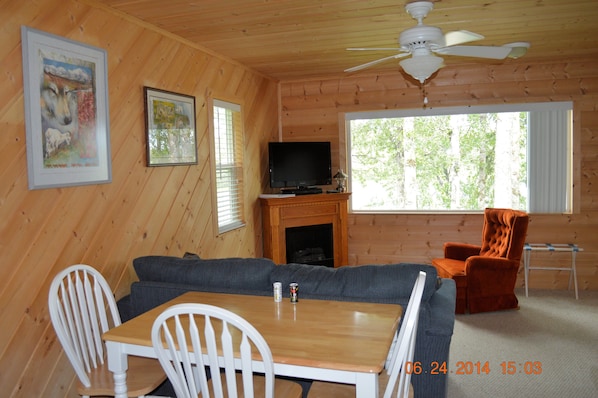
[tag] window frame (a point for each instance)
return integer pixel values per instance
(239, 136)
(574, 145)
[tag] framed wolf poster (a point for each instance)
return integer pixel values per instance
(66, 111)
(170, 125)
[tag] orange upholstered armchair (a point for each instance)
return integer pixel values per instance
(485, 275)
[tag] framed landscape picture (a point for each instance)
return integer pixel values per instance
(66, 111)
(170, 125)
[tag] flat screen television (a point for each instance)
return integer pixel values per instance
(299, 164)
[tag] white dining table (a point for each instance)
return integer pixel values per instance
(336, 341)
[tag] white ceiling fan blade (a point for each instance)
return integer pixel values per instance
(378, 61)
(518, 49)
(476, 51)
(373, 49)
(459, 37)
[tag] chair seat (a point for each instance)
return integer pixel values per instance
(143, 376)
(451, 268)
(322, 389)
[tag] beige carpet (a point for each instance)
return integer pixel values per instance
(550, 345)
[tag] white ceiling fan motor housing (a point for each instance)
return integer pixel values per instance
(421, 36)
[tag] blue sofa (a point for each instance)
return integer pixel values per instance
(162, 278)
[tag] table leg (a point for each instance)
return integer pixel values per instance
(366, 385)
(118, 364)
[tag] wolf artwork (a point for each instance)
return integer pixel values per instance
(68, 113)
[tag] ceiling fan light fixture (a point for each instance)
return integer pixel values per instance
(421, 67)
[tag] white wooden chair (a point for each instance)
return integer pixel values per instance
(396, 378)
(82, 307)
(200, 337)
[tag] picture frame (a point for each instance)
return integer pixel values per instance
(170, 128)
(66, 111)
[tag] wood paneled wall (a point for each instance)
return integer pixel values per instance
(168, 210)
(314, 110)
(159, 210)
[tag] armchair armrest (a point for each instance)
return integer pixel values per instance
(490, 276)
(475, 264)
(460, 251)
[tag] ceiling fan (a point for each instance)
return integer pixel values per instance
(423, 41)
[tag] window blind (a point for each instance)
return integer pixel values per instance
(549, 164)
(228, 155)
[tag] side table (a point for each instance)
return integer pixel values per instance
(551, 247)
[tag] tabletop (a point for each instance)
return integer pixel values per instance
(341, 335)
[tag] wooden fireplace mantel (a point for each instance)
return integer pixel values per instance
(278, 214)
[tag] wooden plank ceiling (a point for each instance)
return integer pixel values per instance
(306, 39)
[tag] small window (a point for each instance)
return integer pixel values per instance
(228, 162)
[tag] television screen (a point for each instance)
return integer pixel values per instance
(299, 164)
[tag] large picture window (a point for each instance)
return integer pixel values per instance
(462, 159)
(228, 158)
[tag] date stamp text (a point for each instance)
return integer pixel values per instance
(476, 368)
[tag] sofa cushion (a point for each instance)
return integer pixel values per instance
(150, 294)
(363, 281)
(229, 273)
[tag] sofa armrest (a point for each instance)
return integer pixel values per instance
(433, 342)
(442, 309)
(125, 308)
(460, 251)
